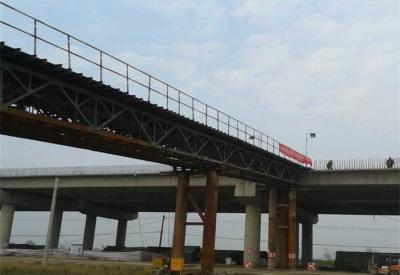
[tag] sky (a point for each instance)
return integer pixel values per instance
(285, 67)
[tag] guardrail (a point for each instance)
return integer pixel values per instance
(139, 83)
(355, 164)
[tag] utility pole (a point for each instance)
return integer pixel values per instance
(161, 232)
(51, 220)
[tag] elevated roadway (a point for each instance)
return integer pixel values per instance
(153, 189)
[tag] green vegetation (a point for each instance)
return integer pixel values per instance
(34, 267)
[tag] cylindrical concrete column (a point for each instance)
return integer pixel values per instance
(182, 192)
(121, 233)
(292, 230)
(251, 251)
(272, 209)
(306, 243)
(6, 221)
(56, 229)
(210, 223)
(88, 235)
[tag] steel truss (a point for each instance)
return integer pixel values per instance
(170, 141)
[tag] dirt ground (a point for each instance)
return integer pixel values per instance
(25, 265)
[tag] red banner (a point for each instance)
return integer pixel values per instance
(287, 151)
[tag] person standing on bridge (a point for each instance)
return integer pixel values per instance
(389, 162)
(329, 165)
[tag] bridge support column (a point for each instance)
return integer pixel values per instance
(88, 235)
(56, 229)
(6, 221)
(251, 253)
(272, 209)
(121, 233)
(210, 223)
(182, 192)
(282, 229)
(292, 230)
(307, 243)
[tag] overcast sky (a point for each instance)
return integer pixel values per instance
(284, 67)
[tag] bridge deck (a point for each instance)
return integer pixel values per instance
(152, 188)
(47, 102)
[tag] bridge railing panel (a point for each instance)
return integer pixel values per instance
(356, 164)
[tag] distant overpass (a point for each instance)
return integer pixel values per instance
(152, 189)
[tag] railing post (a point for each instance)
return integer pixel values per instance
(192, 108)
(167, 95)
(179, 102)
(148, 93)
(101, 66)
(69, 50)
(34, 36)
(206, 115)
(127, 78)
(229, 124)
(217, 120)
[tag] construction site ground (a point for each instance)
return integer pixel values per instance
(33, 266)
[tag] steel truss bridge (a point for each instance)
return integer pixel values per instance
(53, 103)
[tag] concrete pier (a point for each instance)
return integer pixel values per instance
(6, 221)
(307, 243)
(251, 251)
(56, 229)
(88, 235)
(121, 233)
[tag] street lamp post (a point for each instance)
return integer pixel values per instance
(312, 135)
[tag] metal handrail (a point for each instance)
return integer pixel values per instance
(219, 120)
(355, 164)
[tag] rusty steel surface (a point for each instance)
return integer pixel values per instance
(45, 102)
(210, 223)
(272, 211)
(292, 230)
(182, 193)
(282, 229)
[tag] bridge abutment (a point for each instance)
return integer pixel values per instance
(88, 235)
(6, 221)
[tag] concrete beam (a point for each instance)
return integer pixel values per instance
(304, 216)
(105, 212)
(352, 177)
(43, 202)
